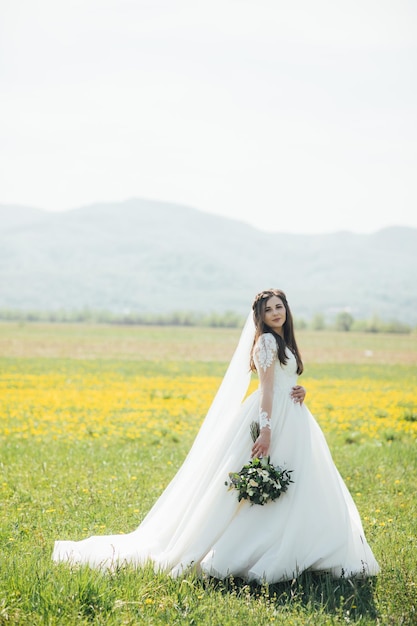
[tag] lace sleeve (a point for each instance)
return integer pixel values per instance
(265, 353)
(265, 356)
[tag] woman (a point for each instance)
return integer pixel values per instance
(198, 523)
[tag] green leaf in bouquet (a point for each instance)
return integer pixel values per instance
(254, 430)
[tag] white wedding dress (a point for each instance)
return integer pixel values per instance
(198, 523)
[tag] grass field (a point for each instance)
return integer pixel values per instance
(95, 420)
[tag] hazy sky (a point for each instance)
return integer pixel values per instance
(295, 116)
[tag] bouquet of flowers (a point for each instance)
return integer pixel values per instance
(259, 481)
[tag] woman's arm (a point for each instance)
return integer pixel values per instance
(265, 359)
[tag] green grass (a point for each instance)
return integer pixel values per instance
(189, 343)
(55, 490)
(52, 489)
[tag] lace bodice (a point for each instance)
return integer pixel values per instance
(266, 354)
(274, 377)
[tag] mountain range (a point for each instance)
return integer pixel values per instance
(156, 257)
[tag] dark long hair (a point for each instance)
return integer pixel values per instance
(258, 308)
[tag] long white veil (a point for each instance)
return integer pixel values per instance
(184, 521)
(192, 490)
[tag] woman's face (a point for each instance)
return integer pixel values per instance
(275, 314)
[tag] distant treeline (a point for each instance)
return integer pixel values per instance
(87, 316)
(343, 321)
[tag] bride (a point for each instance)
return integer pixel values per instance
(198, 523)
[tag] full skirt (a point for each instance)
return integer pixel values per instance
(314, 526)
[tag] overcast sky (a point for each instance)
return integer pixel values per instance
(295, 116)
